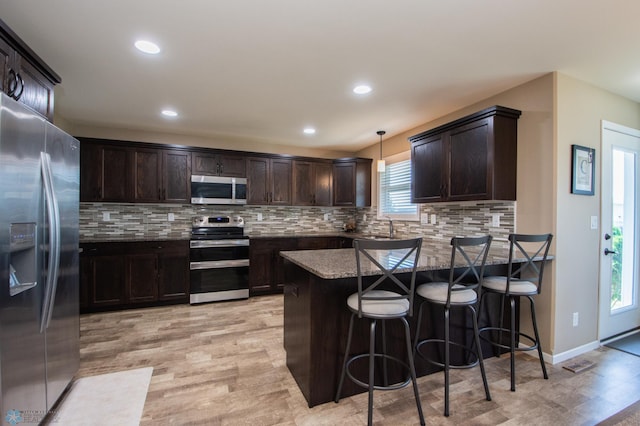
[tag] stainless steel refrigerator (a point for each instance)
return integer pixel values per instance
(39, 303)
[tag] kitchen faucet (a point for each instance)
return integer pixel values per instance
(390, 227)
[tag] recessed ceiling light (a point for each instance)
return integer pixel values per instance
(362, 89)
(169, 113)
(147, 47)
(309, 131)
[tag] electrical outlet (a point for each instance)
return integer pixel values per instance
(171, 217)
(106, 216)
(594, 222)
(326, 217)
(495, 220)
(433, 219)
(259, 217)
(424, 219)
(576, 319)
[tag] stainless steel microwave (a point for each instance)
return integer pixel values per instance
(218, 190)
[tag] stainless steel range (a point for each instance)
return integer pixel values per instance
(219, 259)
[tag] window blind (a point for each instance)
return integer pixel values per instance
(395, 190)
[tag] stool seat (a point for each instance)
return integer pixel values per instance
(384, 307)
(516, 287)
(437, 292)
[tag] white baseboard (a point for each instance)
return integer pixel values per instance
(563, 356)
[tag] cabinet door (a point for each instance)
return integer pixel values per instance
(37, 92)
(204, 164)
(280, 182)
(469, 153)
(323, 184)
(176, 176)
(344, 184)
(142, 278)
(232, 165)
(260, 267)
(428, 165)
(173, 276)
(107, 280)
(147, 175)
(303, 183)
(257, 180)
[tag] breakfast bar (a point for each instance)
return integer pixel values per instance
(316, 318)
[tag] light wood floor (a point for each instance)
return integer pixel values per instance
(224, 364)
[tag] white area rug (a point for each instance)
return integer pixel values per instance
(106, 399)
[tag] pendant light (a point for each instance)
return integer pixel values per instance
(381, 163)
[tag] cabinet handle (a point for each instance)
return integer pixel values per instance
(99, 193)
(12, 83)
(218, 168)
(221, 168)
(19, 95)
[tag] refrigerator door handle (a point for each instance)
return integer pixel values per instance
(53, 214)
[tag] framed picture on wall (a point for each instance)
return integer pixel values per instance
(583, 162)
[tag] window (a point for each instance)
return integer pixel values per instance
(395, 191)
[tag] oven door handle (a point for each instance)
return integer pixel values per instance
(218, 264)
(196, 244)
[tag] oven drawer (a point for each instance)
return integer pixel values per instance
(217, 253)
(219, 279)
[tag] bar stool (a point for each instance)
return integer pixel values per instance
(523, 279)
(461, 291)
(375, 303)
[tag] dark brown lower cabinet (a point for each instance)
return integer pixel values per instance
(117, 275)
(266, 266)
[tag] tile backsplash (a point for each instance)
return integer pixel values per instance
(109, 221)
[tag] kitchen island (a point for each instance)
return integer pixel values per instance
(316, 317)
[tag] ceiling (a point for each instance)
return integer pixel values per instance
(261, 71)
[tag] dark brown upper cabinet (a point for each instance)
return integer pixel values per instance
(24, 76)
(229, 165)
(105, 174)
(118, 171)
(352, 182)
(162, 176)
(472, 158)
(269, 181)
(312, 183)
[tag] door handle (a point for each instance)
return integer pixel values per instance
(607, 252)
(607, 237)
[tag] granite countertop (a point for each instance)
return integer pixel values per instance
(124, 238)
(303, 234)
(341, 263)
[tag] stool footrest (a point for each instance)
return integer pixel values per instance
(378, 387)
(507, 332)
(441, 364)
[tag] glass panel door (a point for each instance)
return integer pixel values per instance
(619, 308)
